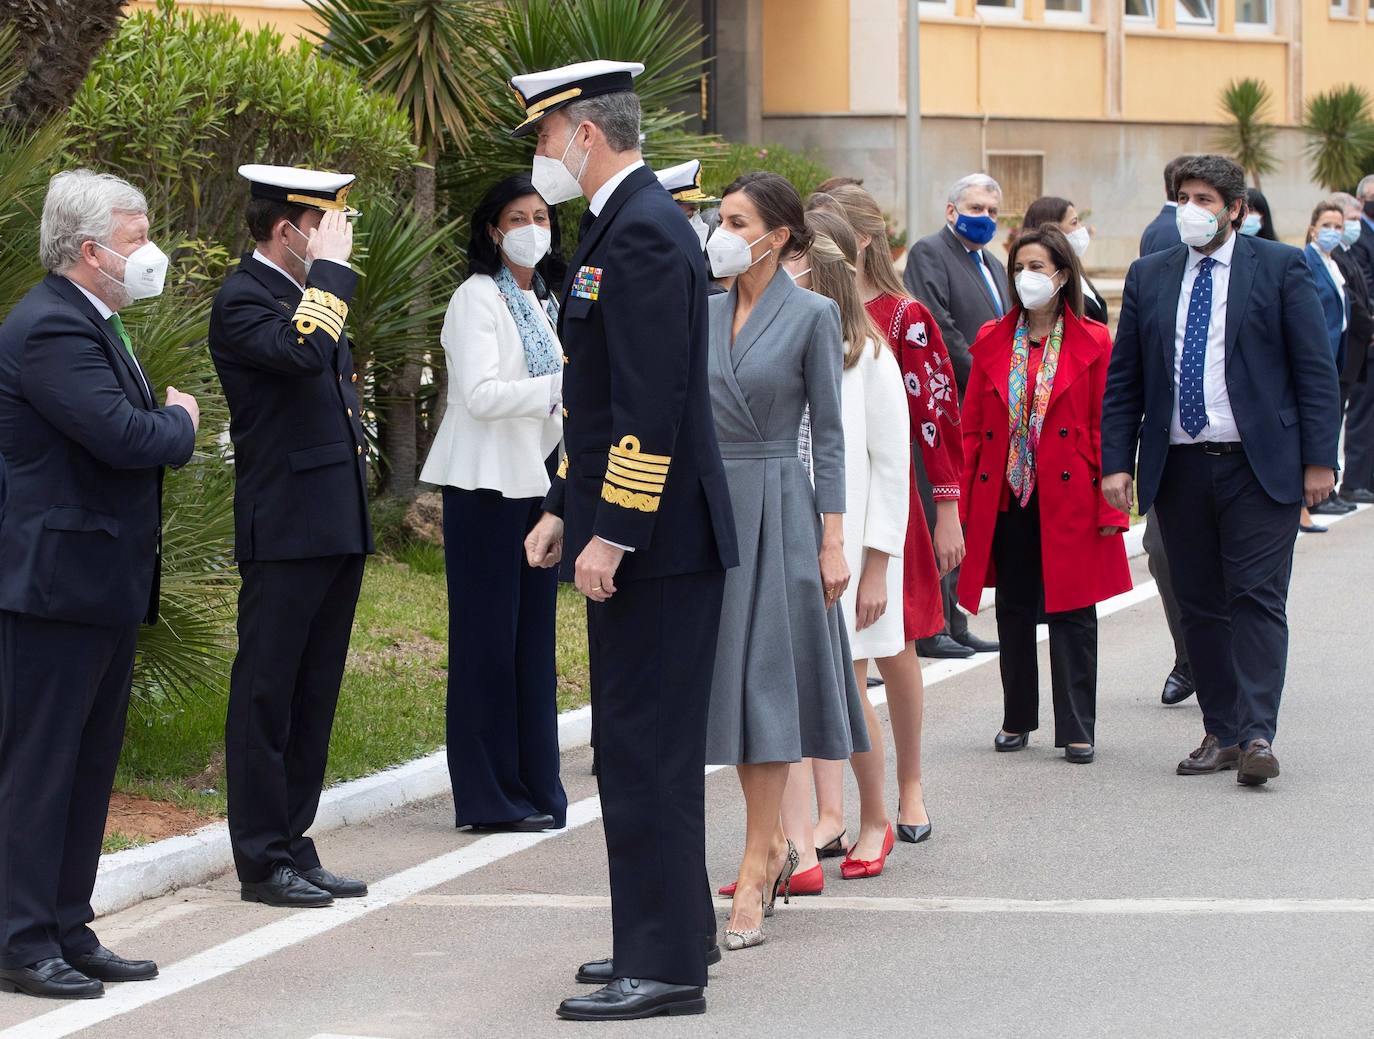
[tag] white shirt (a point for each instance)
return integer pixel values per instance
(105, 313)
(982, 266)
(1221, 423)
(604, 193)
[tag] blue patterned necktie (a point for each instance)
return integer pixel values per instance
(977, 257)
(1192, 407)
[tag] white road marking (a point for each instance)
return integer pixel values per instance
(294, 928)
(1056, 906)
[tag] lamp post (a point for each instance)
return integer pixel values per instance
(913, 117)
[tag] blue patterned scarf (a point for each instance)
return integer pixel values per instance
(541, 352)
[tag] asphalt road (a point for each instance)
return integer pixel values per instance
(1116, 899)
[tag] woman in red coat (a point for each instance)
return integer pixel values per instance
(1036, 525)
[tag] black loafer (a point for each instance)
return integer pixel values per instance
(1016, 741)
(1177, 687)
(602, 972)
(1359, 496)
(51, 979)
(1079, 755)
(529, 824)
(286, 889)
(103, 965)
(942, 647)
(339, 887)
(630, 999)
(971, 641)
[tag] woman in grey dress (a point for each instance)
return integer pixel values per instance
(784, 685)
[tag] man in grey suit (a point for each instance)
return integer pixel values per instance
(965, 287)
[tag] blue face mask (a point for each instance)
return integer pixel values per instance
(1351, 234)
(1251, 224)
(1328, 238)
(977, 229)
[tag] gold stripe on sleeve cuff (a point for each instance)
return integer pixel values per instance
(629, 499)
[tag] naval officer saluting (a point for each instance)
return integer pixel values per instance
(300, 518)
(640, 518)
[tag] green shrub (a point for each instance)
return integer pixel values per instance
(722, 162)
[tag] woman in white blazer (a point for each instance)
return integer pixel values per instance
(877, 454)
(494, 456)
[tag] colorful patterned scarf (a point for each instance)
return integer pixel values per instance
(1026, 422)
(542, 356)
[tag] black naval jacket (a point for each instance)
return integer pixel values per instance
(86, 442)
(300, 457)
(643, 468)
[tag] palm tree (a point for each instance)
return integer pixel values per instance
(57, 41)
(1340, 136)
(1248, 138)
(419, 52)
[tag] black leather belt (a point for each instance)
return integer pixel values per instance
(1228, 447)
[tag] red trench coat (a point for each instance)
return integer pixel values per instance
(1081, 567)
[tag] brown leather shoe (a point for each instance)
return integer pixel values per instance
(1208, 758)
(1258, 764)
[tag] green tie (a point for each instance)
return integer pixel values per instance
(117, 323)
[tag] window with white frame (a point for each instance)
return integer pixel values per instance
(1000, 8)
(1341, 9)
(1254, 15)
(1140, 11)
(1067, 10)
(941, 7)
(1195, 12)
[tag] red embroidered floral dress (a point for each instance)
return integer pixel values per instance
(933, 401)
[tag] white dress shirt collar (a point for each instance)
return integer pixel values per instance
(257, 255)
(96, 301)
(1222, 255)
(604, 193)
(1172, 205)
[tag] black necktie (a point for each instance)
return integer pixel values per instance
(588, 218)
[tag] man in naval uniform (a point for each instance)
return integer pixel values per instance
(683, 182)
(300, 516)
(640, 518)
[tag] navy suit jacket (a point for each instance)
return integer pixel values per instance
(1335, 304)
(86, 444)
(643, 467)
(1162, 232)
(1363, 251)
(300, 456)
(1280, 375)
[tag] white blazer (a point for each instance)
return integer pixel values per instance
(877, 457)
(501, 424)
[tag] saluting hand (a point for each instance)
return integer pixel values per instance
(332, 240)
(175, 398)
(544, 544)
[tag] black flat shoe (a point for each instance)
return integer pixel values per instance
(834, 849)
(1312, 528)
(1177, 687)
(1016, 741)
(339, 887)
(103, 965)
(1359, 496)
(971, 641)
(630, 999)
(1079, 755)
(529, 824)
(286, 889)
(942, 647)
(602, 972)
(51, 979)
(913, 833)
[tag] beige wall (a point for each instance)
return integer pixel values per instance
(806, 55)
(1177, 77)
(290, 16)
(1337, 50)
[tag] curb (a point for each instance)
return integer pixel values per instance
(126, 878)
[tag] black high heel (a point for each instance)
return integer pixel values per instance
(1016, 741)
(834, 849)
(913, 833)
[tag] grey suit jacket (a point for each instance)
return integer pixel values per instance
(941, 275)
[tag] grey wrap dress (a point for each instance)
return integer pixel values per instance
(784, 686)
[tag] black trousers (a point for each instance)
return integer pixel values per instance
(502, 684)
(653, 648)
(295, 617)
(956, 622)
(1073, 636)
(1158, 562)
(1358, 474)
(1231, 549)
(64, 696)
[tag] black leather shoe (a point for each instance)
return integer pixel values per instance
(914, 833)
(1177, 687)
(1333, 506)
(529, 824)
(1079, 755)
(1358, 496)
(339, 887)
(286, 889)
(942, 647)
(51, 979)
(1016, 741)
(602, 972)
(971, 641)
(103, 965)
(629, 999)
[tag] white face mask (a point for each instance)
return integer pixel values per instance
(304, 262)
(1079, 240)
(799, 275)
(526, 246)
(730, 254)
(145, 271)
(552, 178)
(1035, 289)
(699, 226)
(1196, 226)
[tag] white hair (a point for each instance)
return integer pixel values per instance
(963, 185)
(1345, 200)
(1365, 185)
(82, 206)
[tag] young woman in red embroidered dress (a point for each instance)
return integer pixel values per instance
(933, 403)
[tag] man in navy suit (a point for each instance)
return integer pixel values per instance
(1363, 249)
(1222, 380)
(80, 557)
(1162, 231)
(640, 516)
